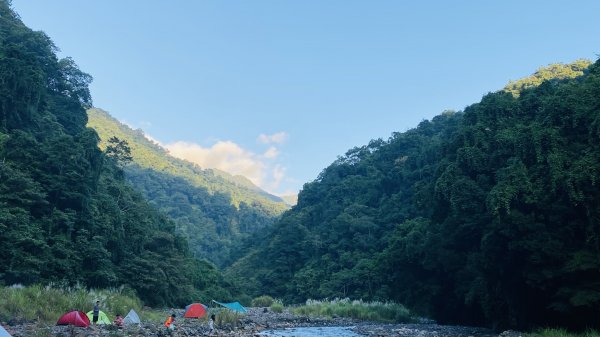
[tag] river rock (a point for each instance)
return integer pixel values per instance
(252, 324)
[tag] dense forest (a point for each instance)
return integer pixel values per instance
(487, 216)
(213, 209)
(67, 215)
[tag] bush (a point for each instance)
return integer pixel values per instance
(372, 311)
(562, 333)
(263, 301)
(226, 317)
(277, 306)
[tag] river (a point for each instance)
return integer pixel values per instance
(330, 331)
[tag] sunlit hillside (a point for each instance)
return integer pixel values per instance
(214, 209)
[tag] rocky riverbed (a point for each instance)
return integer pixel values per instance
(257, 323)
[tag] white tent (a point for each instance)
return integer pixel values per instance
(132, 318)
(4, 333)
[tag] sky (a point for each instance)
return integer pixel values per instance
(276, 90)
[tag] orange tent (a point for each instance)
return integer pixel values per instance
(195, 310)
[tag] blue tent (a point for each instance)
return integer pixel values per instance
(235, 306)
(4, 333)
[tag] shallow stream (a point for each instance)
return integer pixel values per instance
(312, 332)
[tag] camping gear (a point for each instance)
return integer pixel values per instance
(102, 318)
(3, 332)
(195, 310)
(76, 318)
(132, 318)
(235, 306)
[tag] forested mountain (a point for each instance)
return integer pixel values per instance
(66, 214)
(486, 216)
(214, 209)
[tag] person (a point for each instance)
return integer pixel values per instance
(211, 324)
(96, 312)
(170, 324)
(118, 321)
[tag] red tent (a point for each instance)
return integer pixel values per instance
(76, 318)
(195, 310)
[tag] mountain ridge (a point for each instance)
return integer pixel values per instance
(213, 209)
(192, 172)
(485, 216)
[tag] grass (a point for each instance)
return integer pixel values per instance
(372, 311)
(277, 306)
(225, 317)
(562, 333)
(48, 303)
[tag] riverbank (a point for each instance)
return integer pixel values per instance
(257, 321)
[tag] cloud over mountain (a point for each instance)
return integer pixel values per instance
(230, 157)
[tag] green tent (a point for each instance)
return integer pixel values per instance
(102, 318)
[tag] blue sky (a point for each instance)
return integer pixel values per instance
(276, 90)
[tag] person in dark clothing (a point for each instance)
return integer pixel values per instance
(96, 312)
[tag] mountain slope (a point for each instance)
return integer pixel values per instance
(487, 216)
(214, 209)
(66, 214)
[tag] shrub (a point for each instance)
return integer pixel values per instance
(562, 333)
(263, 301)
(372, 311)
(225, 317)
(277, 306)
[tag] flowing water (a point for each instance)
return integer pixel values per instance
(312, 332)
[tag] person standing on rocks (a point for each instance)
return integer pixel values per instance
(211, 325)
(96, 313)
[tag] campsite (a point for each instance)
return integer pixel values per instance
(231, 168)
(258, 321)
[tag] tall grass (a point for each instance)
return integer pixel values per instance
(277, 306)
(372, 311)
(48, 303)
(226, 317)
(263, 301)
(562, 333)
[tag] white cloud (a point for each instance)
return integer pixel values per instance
(271, 153)
(152, 139)
(276, 138)
(234, 159)
(223, 155)
(278, 175)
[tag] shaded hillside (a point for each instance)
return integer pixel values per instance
(66, 214)
(214, 209)
(487, 216)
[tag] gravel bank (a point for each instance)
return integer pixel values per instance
(257, 320)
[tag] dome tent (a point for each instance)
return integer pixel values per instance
(102, 318)
(76, 318)
(132, 318)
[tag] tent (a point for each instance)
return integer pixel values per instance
(132, 318)
(195, 310)
(235, 306)
(3, 332)
(76, 318)
(102, 318)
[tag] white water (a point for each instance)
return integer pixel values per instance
(311, 332)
